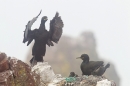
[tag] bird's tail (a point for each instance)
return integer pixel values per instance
(107, 65)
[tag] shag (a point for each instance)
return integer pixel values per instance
(87, 67)
(72, 74)
(42, 36)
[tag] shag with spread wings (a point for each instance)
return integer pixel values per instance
(42, 36)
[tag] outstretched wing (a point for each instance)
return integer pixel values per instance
(56, 25)
(28, 32)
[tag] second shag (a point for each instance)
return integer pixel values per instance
(88, 67)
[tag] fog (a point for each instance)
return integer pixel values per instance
(109, 21)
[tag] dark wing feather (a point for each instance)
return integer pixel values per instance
(28, 32)
(56, 25)
(50, 43)
(29, 41)
(95, 64)
(25, 39)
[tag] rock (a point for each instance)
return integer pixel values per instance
(6, 78)
(3, 62)
(22, 73)
(14, 72)
(47, 75)
(45, 71)
(104, 83)
(49, 78)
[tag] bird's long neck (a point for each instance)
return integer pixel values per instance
(42, 26)
(85, 61)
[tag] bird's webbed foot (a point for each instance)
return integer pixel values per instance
(33, 62)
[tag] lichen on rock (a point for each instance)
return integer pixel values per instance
(14, 72)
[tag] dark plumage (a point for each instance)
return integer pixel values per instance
(42, 36)
(72, 74)
(87, 67)
(101, 70)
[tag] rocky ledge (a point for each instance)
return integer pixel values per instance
(14, 72)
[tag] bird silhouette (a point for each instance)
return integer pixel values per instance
(87, 67)
(42, 36)
(72, 74)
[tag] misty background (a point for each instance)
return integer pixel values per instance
(62, 57)
(98, 27)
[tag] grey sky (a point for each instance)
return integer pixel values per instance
(108, 19)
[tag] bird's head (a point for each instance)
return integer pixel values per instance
(84, 57)
(44, 19)
(72, 73)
